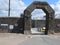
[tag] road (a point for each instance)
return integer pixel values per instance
(42, 41)
(19, 39)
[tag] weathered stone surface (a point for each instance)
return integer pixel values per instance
(49, 15)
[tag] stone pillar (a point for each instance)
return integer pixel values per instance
(27, 26)
(27, 23)
(51, 23)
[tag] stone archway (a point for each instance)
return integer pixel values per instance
(49, 16)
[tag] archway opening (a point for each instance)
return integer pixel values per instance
(38, 21)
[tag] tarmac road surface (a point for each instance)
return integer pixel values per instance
(42, 41)
(19, 39)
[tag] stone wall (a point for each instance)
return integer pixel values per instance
(19, 20)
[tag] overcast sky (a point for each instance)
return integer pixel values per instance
(18, 6)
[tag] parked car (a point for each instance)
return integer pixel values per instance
(43, 28)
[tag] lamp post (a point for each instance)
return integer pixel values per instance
(8, 15)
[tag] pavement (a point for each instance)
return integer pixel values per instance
(20, 39)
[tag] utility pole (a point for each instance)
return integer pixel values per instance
(9, 9)
(8, 15)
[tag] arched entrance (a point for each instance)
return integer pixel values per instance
(49, 16)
